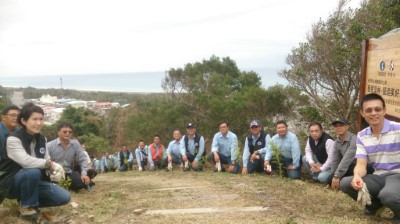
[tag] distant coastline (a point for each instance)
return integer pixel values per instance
(142, 83)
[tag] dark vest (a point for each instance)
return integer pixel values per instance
(122, 158)
(259, 144)
(196, 144)
(319, 150)
(8, 168)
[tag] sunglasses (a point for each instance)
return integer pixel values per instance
(376, 109)
(67, 132)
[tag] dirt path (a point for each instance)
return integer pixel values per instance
(176, 197)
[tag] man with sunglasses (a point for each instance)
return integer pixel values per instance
(8, 125)
(68, 152)
(255, 147)
(378, 145)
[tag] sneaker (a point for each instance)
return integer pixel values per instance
(28, 213)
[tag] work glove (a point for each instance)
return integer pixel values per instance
(363, 197)
(170, 166)
(57, 172)
(218, 165)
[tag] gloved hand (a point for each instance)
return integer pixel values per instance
(218, 165)
(170, 166)
(56, 172)
(363, 197)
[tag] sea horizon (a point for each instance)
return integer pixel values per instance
(133, 82)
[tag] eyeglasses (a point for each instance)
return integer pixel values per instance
(254, 127)
(376, 109)
(12, 115)
(67, 132)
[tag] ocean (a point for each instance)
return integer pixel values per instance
(143, 82)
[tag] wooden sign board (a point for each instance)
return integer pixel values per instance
(381, 70)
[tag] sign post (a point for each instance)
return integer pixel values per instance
(380, 72)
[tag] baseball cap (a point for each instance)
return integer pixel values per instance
(191, 125)
(341, 120)
(255, 123)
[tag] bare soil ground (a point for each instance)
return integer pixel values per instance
(204, 197)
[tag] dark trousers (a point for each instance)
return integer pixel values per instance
(76, 180)
(191, 158)
(349, 172)
(255, 165)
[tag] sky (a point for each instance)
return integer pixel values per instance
(53, 37)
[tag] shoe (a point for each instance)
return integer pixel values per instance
(186, 169)
(28, 213)
(374, 212)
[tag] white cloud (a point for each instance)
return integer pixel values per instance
(101, 36)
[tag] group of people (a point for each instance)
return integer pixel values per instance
(367, 162)
(187, 151)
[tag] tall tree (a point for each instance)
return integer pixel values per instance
(327, 66)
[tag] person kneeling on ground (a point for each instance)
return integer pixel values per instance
(255, 147)
(192, 148)
(224, 149)
(288, 148)
(68, 152)
(319, 153)
(125, 159)
(24, 167)
(379, 145)
(108, 163)
(141, 154)
(173, 153)
(157, 157)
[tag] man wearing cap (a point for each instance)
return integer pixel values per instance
(255, 147)
(343, 155)
(224, 149)
(192, 148)
(289, 150)
(319, 150)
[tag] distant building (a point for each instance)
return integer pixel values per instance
(47, 99)
(52, 114)
(102, 105)
(75, 103)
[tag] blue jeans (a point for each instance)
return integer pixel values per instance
(29, 188)
(225, 160)
(322, 177)
(293, 174)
